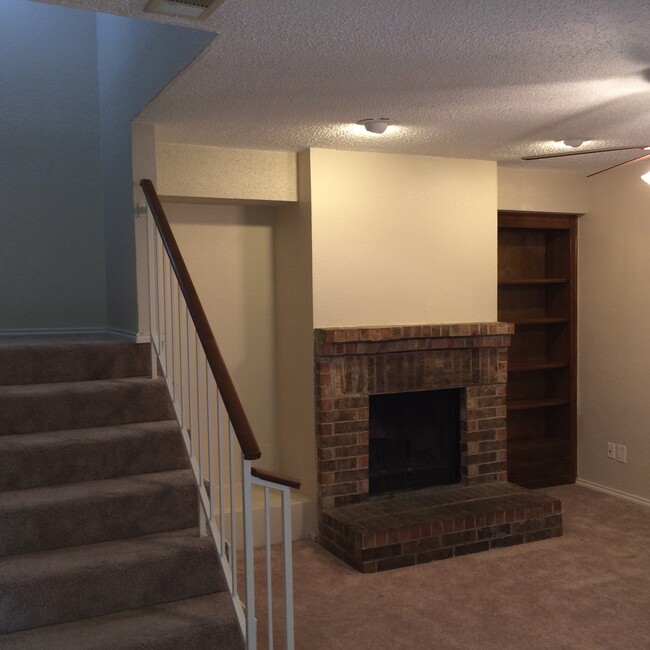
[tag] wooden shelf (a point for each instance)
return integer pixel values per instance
(537, 403)
(531, 281)
(530, 447)
(526, 365)
(536, 320)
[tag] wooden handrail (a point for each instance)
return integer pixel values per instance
(241, 426)
(273, 477)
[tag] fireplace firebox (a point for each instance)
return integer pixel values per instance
(414, 440)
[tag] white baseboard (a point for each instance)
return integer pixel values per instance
(128, 335)
(612, 492)
(54, 332)
(87, 333)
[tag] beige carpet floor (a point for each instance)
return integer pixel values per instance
(589, 589)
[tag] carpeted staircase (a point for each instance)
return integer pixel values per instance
(98, 509)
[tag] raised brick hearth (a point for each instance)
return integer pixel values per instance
(354, 363)
(437, 523)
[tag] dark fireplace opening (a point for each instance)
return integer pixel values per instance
(414, 440)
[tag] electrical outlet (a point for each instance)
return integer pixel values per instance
(621, 453)
(611, 450)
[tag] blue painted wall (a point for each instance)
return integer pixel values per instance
(136, 60)
(70, 83)
(51, 224)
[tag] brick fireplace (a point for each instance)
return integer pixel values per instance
(353, 364)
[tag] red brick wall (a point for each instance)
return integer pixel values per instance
(353, 363)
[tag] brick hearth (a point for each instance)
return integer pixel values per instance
(354, 363)
(437, 523)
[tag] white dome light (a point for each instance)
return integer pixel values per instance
(375, 125)
(574, 142)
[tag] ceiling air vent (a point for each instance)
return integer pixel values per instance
(199, 9)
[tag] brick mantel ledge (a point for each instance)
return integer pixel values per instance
(339, 341)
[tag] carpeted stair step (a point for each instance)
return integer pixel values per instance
(191, 624)
(107, 402)
(45, 362)
(39, 519)
(77, 583)
(67, 456)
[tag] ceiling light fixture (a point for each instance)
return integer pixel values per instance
(646, 177)
(375, 125)
(574, 142)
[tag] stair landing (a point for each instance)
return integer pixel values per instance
(403, 529)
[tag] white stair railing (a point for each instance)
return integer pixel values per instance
(216, 432)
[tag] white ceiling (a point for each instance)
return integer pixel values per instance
(488, 79)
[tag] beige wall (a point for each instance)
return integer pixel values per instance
(376, 239)
(294, 337)
(614, 321)
(534, 190)
(237, 174)
(402, 239)
(229, 253)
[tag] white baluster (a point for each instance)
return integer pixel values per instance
(249, 565)
(269, 577)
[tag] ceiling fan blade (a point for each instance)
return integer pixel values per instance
(582, 153)
(623, 164)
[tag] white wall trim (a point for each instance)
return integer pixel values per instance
(615, 493)
(74, 333)
(67, 332)
(129, 335)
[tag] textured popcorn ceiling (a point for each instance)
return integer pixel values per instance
(489, 79)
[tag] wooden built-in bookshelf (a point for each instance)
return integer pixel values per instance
(537, 292)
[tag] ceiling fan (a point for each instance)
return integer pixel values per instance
(643, 156)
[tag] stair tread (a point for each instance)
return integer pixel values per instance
(68, 584)
(38, 519)
(36, 361)
(82, 435)
(29, 460)
(17, 569)
(94, 403)
(91, 491)
(84, 385)
(190, 624)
